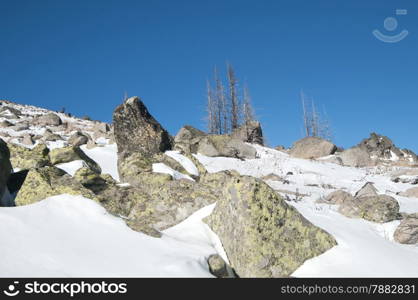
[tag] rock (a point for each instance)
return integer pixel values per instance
(28, 140)
(136, 130)
(312, 147)
(381, 148)
(71, 153)
(281, 148)
(332, 159)
(224, 145)
(77, 139)
(410, 193)
(24, 158)
(261, 234)
(10, 112)
(46, 182)
(52, 137)
(249, 132)
(188, 139)
(92, 180)
(407, 231)
(16, 181)
(219, 268)
(20, 126)
(49, 119)
(272, 177)
(378, 208)
(356, 157)
(367, 189)
(5, 124)
(101, 127)
(337, 197)
(5, 167)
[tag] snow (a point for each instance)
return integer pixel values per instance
(71, 236)
(72, 167)
(186, 163)
(162, 168)
(106, 157)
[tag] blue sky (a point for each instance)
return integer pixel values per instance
(83, 55)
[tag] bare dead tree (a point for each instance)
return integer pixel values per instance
(248, 111)
(315, 124)
(233, 97)
(211, 107)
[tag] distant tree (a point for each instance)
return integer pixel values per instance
(314, 123)
(226, 111)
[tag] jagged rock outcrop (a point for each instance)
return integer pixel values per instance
(261, 234)
(312, 147)
(188, 139)
(250, 132)
(407, 231)
(25, 158)
(5, 167)
(71, 153)
(41, 183)
(136, 130)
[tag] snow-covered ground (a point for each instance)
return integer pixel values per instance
(73, 236)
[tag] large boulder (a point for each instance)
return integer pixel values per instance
(25, 158)
(136, 130)
(262, 235)
(312, 147)
(407, 231)
(71, 153)
(356, 157)
(78, 139)
(219, 268)
(5, 167)
(224, 145)
(374, 208)
(410, 193)
(250, 132)
(49, 119)
(367, 189)
(46, 182)
(188, 139)
(337, 197)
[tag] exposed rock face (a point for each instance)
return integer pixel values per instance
(136, 130)
(46, 182)
(25, 158)
(261, 234)
(68, 154)
(377, 208)
(49, 119)
(224, 145)
(219, 268)
(338, 197)
(356, 157)
(312, 147)
(188, 139)
(5, 166)
(249, 132)
(407, 231)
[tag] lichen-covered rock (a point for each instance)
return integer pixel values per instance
(377, 208)
(356, 157)
(71, 153)
(136, 130)
(5, 166)
(92, 180)
(219, 268)
(250, 132)
(261, 234)
(25, 158)
(312, 147)
(78, 138)
(46, 182)
(224, 145)
(407, 231)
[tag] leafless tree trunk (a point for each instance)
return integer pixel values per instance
(314, 123)
(247, 107)
(211, 107)
(233, 98)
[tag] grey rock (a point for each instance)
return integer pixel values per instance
(356, 157)
(367, 189)
(78, 138)
(219, 268)
(5, 167)
(249, 132)
(410, 193)
(49, 119)
(407, 231)
(337, 197)
(312, 147)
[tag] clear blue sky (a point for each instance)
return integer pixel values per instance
(83, 55)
